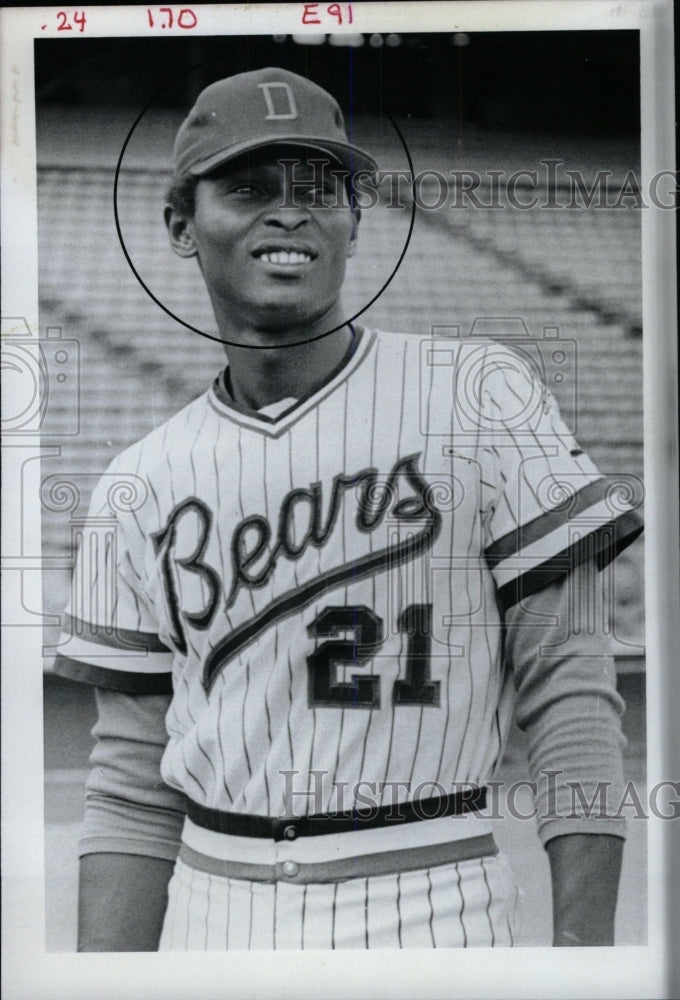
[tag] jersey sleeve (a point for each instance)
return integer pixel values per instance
(569, 707)
(551, 508)
(110, 628)
(128, 807)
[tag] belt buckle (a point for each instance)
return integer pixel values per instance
(286, 828)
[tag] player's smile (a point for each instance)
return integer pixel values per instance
(287, 256)
(272, 241)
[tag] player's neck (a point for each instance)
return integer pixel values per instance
(264, 376)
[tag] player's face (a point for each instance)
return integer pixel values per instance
(272, 241)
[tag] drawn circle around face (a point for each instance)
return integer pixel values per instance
(220, 340)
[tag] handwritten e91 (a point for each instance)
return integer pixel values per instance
(342, 12)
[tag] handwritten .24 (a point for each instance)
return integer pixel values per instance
(63, 23)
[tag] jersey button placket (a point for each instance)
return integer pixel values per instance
(286, 865)
(290, 869)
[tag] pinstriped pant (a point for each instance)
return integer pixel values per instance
(470, 903)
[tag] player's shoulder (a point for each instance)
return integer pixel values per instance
(413, 348)
(443, 343)
(442, 354)
(502, 369)
(173, 434)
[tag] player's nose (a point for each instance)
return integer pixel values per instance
(287, 216)
(289, 209)
(290, 221)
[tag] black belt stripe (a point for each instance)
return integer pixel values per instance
(245, 825)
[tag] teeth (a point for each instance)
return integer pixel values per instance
(285, 257)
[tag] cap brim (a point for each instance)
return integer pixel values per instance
(351, 157)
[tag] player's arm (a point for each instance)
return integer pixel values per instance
(122, 901)
(585, 870)
(132, 827)
(570, 709)
(110, 640)
(549, 510)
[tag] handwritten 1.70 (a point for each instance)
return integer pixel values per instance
(165, 17)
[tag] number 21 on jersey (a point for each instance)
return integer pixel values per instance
(363, 634)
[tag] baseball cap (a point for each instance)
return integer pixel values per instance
(261, 108)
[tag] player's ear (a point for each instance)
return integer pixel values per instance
(180, 231)
(354, 235)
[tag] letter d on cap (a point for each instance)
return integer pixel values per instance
(272, 113)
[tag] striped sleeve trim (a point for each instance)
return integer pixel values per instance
(113, 680)
(552, 520)
(90, 653)
(593, 524)
(115, 638)
(124, 659)
(127, 661)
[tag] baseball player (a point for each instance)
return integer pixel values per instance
(347, 564)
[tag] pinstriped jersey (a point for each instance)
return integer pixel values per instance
(323, 590)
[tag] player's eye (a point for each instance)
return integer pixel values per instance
(239, 188)
(321, 196)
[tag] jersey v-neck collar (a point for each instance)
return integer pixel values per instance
(263, 420)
